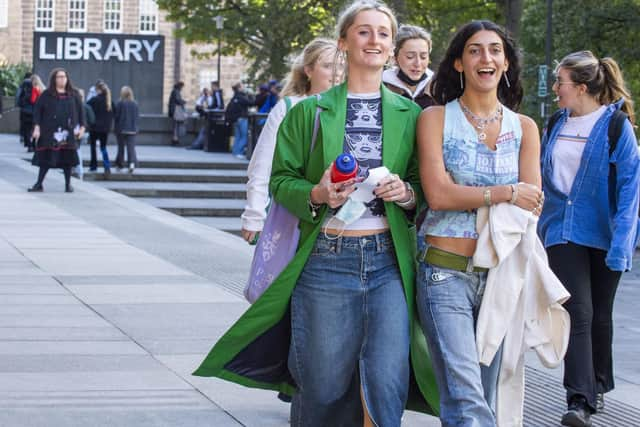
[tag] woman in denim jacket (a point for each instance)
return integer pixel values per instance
(589, 223)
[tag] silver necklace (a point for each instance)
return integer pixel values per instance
(481, 123)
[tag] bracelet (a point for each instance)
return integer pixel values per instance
(514, 193)
(412, 200)
(313, 207)
(487, 197)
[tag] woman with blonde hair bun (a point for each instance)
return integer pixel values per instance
(333, 329)
(313, 71)
(589, 224)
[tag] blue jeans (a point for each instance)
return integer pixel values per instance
(241, 128)
(350, 330)
(448, 305)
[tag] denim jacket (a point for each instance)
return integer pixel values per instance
(601, 210)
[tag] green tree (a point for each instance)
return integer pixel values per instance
(265, 32)
(606, 28)
(11, 75)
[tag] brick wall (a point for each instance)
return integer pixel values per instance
(11, 36)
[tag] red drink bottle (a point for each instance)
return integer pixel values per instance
(344, 168)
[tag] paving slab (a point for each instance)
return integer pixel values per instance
(50, 333)
(158, 294)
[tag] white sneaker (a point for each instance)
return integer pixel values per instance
(240, 156)
(131, 167)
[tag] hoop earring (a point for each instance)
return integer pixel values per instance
(506, 79)
(461, 81)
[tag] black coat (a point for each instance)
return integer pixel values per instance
(104, 118)
(175, 99)
(52, 112)
(126, 118)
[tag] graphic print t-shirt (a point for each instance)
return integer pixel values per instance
(363, 140)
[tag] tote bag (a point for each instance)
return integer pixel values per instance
(277, 243)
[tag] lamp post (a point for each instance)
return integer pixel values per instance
(219, 26)
(548, 47)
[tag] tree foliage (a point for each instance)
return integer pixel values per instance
(606, 28)
(264, 31)
(268, 31)
(11, 75)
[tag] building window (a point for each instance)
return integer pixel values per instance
(77, 16)
(4, 13)
(148, 17)
(112, 16)
(45, 10)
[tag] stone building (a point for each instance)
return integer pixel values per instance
(20, 20)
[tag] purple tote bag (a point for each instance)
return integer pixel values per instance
(277, 243)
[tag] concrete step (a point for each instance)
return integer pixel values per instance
(229, 224)
(198, 207)
(232, 163)
(171, 175)
(185, 190)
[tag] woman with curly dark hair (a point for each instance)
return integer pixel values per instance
(58, 124)
(474, 151)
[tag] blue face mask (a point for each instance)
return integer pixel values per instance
(351, 211)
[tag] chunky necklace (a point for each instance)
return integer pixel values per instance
(479, 122)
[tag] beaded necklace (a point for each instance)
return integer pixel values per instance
(481, 123)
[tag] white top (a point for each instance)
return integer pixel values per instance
(567, 153)
(521, 306)
(363, 140)
(259, 170)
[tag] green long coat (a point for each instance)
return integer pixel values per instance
(254, 351)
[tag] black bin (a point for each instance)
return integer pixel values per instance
(217, 133)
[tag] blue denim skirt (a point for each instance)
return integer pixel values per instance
(350, 332)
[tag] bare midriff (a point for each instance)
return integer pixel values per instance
(457, 245)
(354, 233)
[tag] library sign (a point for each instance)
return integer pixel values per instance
(118, 59)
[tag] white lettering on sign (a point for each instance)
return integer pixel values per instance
(113, 50)
(42, 54)
(73, 48)
(132, 47)
(92, 48)
(151, 49)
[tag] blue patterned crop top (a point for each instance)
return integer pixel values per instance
(472, 163)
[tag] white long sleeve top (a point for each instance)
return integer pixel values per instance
(522, 304)
(259, 170)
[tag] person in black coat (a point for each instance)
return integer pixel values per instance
(58, 123)
(126, 128)
(177, 112)
(23, 102)
(103, 108)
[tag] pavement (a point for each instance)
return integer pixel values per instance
(107, 304)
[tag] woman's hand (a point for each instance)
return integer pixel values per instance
(333, 194)
(80, 132)
(529, 197)
(36, 132)
(249, 236)
(392, 189)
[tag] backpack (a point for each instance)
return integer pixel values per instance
(24, 101)
(89, 115)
